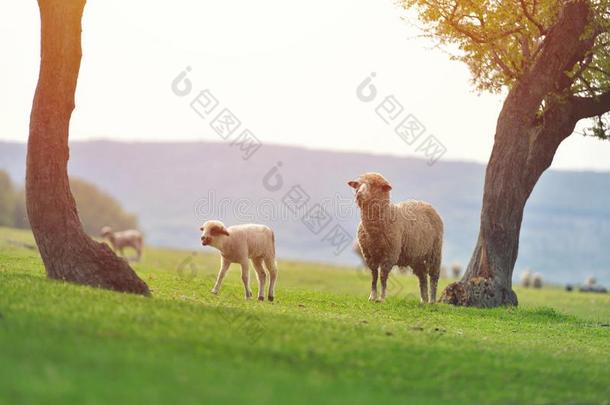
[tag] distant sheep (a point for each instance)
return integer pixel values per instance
(537, 280)
(238, 244)
(456, 270)
(121, 240)
(592, 286)
(526, 278)
(405, 234)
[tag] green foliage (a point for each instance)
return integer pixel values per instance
(321, 341)
(7, 200)
(20, 215)
(500, 40)
(97, 209)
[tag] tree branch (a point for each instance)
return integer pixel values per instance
(530, 17)
(503, 66)
(561, 49)
(588, 107)
(478, 38)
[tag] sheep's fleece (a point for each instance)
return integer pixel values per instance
(238, 244)
(409, 233)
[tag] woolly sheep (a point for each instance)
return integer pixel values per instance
(121, 240)
(526, 278)
(590, 281)
(456, 270)
(405, 234)
(358, 252)
(238, 244)
(537, 280)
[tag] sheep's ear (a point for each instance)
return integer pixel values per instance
(353, 184)
(223, 231)
(386, 187)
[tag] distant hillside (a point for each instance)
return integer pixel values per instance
(565, 236)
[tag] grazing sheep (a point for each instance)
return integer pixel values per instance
(405, 234)
(537, 280)
(121, 240)
(456, 270)
(526, 278)
(238, 244)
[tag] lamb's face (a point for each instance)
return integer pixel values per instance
(212, 232)
(370, 187)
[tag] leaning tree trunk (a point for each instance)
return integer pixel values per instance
(67, 252)
(516, 164)
(525, 143)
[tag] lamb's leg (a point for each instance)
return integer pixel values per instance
(261, 276)
(385, 273)
(224, 266)
(245, 277)
(374, 277)
(272, 269)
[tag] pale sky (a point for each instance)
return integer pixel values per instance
(287, 69)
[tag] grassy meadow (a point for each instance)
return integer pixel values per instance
(321, 341)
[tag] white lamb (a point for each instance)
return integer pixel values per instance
(238, 244)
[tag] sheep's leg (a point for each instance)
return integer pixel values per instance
(385, 273)
(423, 284)
(272, 269)
(433, 285)
(138, 252)
(374, 277)
(261, 276)
(245, 277)
(224, 266)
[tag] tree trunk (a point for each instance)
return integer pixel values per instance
(516, 164)
(526, 140)
(67, 252)
(508, 184)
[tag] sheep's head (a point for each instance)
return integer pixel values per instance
(106, 232)
(213, 232)
(370, 188)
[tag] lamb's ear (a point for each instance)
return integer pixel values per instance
(354, 184)
(223, 231)
(386, 187)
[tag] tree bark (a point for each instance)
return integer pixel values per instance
(524, 148)
(67, 252)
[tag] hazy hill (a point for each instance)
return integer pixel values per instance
(173, 187)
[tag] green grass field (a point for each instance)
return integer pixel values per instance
(321, 341)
